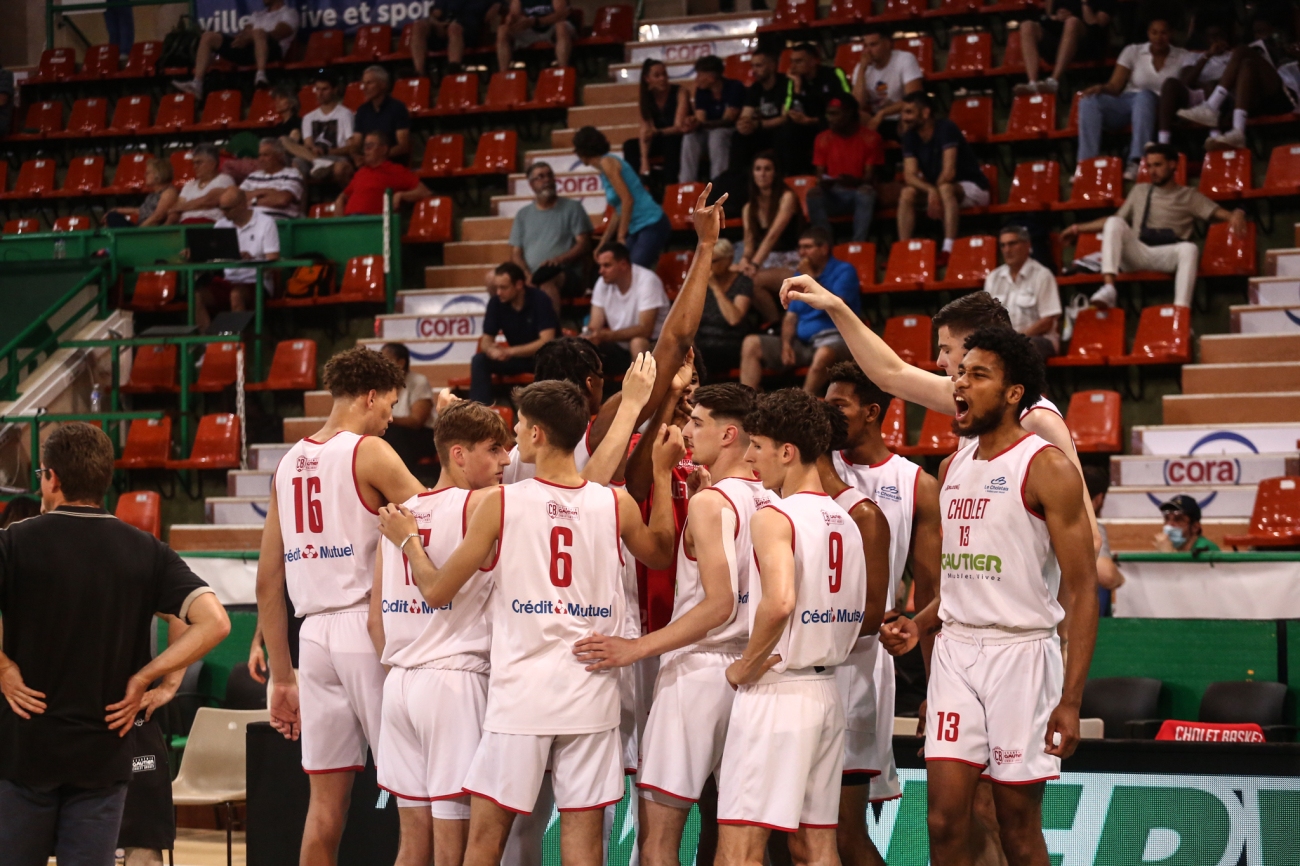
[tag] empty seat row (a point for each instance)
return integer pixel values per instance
(444, 155)
(363, 281)
(1164, 336)
(154, 369)
(149, 444)
(797, 14)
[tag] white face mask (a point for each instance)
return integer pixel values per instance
(1177, 537)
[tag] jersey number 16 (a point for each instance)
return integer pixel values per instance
(315, 520)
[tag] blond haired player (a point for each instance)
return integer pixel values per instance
(785, 745)
(436, 689)
(1000, 701)
(320, 535)
(557, 579)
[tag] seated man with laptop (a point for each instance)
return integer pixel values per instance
(257, 239)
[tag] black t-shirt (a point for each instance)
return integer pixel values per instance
(390, 117)
(78, 588)
(769, 102)
(291, 127)
(826, 84)
(929, 154)
(525, 324)
(714, 330)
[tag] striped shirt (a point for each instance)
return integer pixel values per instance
(286, 179)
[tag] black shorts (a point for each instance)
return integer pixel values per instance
(244, 55)
(1093, 46)
(148, 820)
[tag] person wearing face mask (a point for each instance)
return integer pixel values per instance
(1182, 531)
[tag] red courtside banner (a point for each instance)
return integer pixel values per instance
(1209, 732)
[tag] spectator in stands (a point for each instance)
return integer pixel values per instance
(549, 238)
(845, 156)
(519, 320)
(288, 126)
(325, 132)
(539, 22)
(1027, 290)
(1195, 80)
(725, 321)
(628, 307)
(259, 239)
(881, 80)
(1068, 30)
(664, 110)
(1152, 229)
(157, 202)
(265, 38)
(642, 226)
(715, 105)
(6, 101)
(812, 87)
(411, 430)
(1109, 577)
(200, 198)
(767, 100)
(275, 189)
(453, 24)
(1182, 532)
(1132, 96)
(1260, 78)
(380, 112)
(19, 508)
(773, 221)
(808, 336)
(364, 194)
(940, 171)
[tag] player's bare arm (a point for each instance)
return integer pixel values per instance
(654, 544)
(927, 545)
(1053, 490)
(382, 475)
(711, 527)
(881, 363)
(273, 622)
(639, 472)
(873, 527)
(773, 538)
(374, 612)
(898, 637)
(440, 585)
(612, 451)
(1051, 427)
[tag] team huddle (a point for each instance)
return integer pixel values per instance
(485, 639)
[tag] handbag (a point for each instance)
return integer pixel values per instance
(1154, 237)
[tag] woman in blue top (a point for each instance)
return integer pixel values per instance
(642, 226)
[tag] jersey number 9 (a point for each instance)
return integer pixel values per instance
(836, 561)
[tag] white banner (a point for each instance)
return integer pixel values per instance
(689, 51)
(1275, 291)
(428, 301)
(1143, 471)
(430, 327)
(688, 28)
(1215, 502)
(233, 580)
(1180, 440)
(1266, 320)
(1209, 590)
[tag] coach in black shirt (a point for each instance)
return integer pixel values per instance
(381, 113)
(813, 87)
(78, 588)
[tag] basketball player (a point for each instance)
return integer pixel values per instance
(557, 580)
(332, 485)
(784, 752)
(436, 689)
(866, 679)
(1000, 701)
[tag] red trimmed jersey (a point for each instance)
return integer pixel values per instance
(656, 585)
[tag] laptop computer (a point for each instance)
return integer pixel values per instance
(213, 245)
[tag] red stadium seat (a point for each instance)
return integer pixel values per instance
(679, 203)
(1225, 174)
(4, 177)
(1275, 519)
(863, 258)
(142, 61)
(57, 64)
(801, 185)
(614, 25)
(219, 369)
(89, 116)
(130, 116)
(182, 166)
(293, 368)
(156, 291)
(556, 88)
(849, 11)
(1098, 183)
(175, 111)
(74, 223)
(973, 258)
(457, 94)
(1094, 422)
(793, 14)
(323, 47)
(221, 109)
(1013, 56)
(353, 96)
(901, 10)
(848, 55)
(974, 114)
(148, 444)
(948, 8)
(216, 444)
(969, 55)
(1033, 116)
(430, 221)
(497, 153)
(936, 439)
(25, 226)
(101, 62)
(322, 210)
(1034, 186)
(1164, 336)
(35, 180)
(363, 281)
(443, 154)
(893, 428)
(910, 338)
(261, 111)
(1071, 128)
(413, 93)
(85, 177)
(307, 101)
(153, 370)
(921, 47)
(129, 176)
(506, 90)
(142, 509)
(1227, 254)
(672, 270)
(1283, 176)
(1098, 335)
(910, 266)
(371, 42)
(1180, 173)
(739, 67)
(43, 119)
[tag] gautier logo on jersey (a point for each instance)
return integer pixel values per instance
(964, 562)
(997, 485)
(556, 511)
(325, 551)
(306, 464)
(559, 608)
(889, 492)
(829, 616)
(414, 605)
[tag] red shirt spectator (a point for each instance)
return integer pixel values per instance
(364, 195)
(837, 155)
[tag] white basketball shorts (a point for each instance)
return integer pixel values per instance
(340, 692)
(586, 770)
(432, 724)
(687, 729)
(856, 681)
(988, 706)
(784, 756)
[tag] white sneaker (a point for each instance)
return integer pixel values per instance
(192, 87)
(1048, 85)
(1131, 171)
(1230, 140)
(1105, 297)
(1026, 88)
(260, 79)
(1202, 115)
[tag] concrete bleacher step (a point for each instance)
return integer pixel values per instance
(1282, 263)
(1257, 319)
(1275, 291)
(1138, 534)
(694, 26)
(236, 510)
(301, 428)
(569, 183)
(439, 360)
(1218, 501)
(563, 160)
(1242, 408)
(1249, 348)
(266, 455)
(428, 326)
(1221, 436)
(610, 94)
(604, 115)
(455, 300)
(248, 482)
(1241, 378)
(616, 133)
(489, 228)
(681, 71)
(207, 536)
(455, 276)
(1135, 470)
(317, 403)
(476, 252)
(509, 205)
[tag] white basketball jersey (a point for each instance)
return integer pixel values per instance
(890, 484)
(558, 579)
(455, 636)
(998, 567)
(329, 532)
(519, 471)
(830, 580)
(745, 497)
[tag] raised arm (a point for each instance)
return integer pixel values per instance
(773, 537)
(440, 585)
(612, 451)
(639, 471)
(654, 545)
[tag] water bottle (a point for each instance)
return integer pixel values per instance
(96, 398)
(60, 248)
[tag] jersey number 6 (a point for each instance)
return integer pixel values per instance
(836, 561)
(315, 521)
(561, 560)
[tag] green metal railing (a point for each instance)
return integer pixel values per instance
(54, 9)
(1210, 556)
(14, 367)
(40, 418)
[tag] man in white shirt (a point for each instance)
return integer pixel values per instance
(266, 38)
(1027, 290)
(275, 189)
(325, 131)
(259, 240)
(628, 308)
(881, 80)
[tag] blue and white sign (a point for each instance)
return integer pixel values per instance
(231, 16)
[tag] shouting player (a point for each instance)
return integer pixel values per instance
(1000, 701)
(330, 487)
(557, 580)
(784, 752)
(436, 690)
